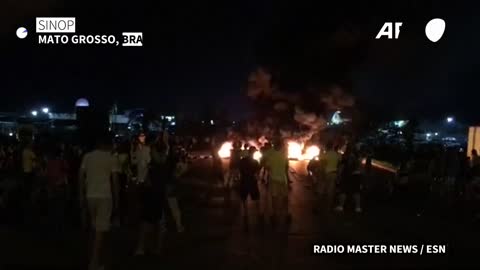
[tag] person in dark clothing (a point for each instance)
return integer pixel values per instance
(351, 179)
(123, 158)
(235, 156)
(153, 190)
(175, 167)
(249, 169)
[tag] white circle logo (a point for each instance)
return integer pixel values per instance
(22, 32)
(435, 29)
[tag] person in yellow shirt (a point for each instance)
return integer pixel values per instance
(330, 161)
(277, 165)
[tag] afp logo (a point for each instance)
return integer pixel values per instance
(434, 30)
(132, 39)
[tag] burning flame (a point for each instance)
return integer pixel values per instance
(257, 156)
(296, 150)
(224, 151)
(311, 152)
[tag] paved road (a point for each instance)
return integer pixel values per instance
(216, 238)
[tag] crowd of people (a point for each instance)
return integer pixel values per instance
(271, 175)
(67, 184)
(90, 187)
(339, 175)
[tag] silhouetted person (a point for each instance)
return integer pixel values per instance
(351, 179)
(249, 169)
(331, 160)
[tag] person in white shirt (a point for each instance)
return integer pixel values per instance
(98, 179)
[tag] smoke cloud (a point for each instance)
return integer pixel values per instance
(292, 115)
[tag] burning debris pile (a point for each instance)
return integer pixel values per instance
(296, 150)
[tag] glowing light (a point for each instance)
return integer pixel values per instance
(436, 133)
(212, 123)
(34, 113)
(294, 150)
(10, 134)
(450, 119)
(336, 118)
(82, 102)
(311, 152)
(257, 156)
(45, 110)
(224, 151)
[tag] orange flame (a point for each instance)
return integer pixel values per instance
(224, 151)
(296, 150)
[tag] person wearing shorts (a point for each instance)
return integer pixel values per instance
(98, 178)
(249, 169)
(277, 164)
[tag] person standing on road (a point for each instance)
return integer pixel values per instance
(217, 167)
(29, 163)
(141, 158)
(277, 165)
(98, 186)
(153, 197)
(330, 162)
(249, 169)
(265, 150)
(350, 182)
(177, 165)
(235, 156)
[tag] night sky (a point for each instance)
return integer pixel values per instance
(196, 55)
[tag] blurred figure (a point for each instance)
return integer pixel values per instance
(29, 164)
(245, 150)
(326, 188)
(177, 165)
(451, 172)
(123, 177)
(277, 165)
(141, 158)
(57, 179)
(350, 180)
(249, 169)
(153, 192)
(235, 156)
(217, 167)
(316, 171)
(98, 183)
(475, 160)
(265, 150)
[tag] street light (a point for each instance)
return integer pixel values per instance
(450, 119)
(34, 113)
(45, 110)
